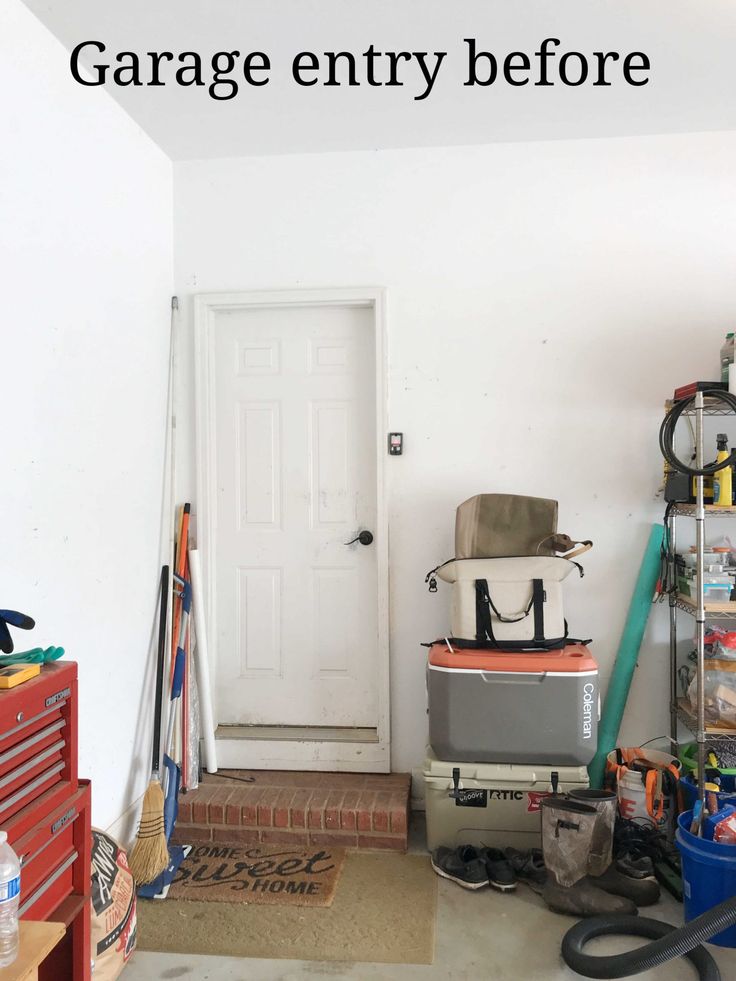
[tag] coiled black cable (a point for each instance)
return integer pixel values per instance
(667, 435)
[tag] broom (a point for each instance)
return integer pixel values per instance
(150, 854)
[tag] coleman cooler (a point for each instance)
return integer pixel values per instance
(492, 804)
(509, 707)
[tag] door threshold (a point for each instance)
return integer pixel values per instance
(316, 734)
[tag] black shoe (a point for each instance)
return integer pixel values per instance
(527, 866)
(636, 868)
(465, 865)
(500, 873)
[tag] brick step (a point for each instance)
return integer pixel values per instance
(355, 810)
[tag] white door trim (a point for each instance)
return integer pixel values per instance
(284, 753)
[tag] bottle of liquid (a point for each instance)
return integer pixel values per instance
(727, 356)
(707, 490)
(722, 479)
(9, 896)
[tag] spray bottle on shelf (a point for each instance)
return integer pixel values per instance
(707, 490)
(722, 479)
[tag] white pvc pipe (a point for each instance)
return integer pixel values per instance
(202, 663)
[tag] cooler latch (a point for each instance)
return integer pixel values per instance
(455, 792)
(554, 779)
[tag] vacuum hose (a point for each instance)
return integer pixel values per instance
(669, 942)
(667, 435)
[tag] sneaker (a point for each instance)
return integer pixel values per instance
(527, 865)
(465, 865)
(500, 873)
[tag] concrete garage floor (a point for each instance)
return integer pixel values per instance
(479, 935)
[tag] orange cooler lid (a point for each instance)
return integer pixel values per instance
(573, 659)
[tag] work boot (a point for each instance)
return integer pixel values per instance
(568, 830)
(603, 873)
(643, 892)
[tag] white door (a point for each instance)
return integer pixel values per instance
(295, 434)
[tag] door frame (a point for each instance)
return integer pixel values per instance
(250, 751)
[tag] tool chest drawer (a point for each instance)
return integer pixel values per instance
(38, 738)
(48, 850)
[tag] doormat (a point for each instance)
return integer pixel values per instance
(384, 911)
(268, 874)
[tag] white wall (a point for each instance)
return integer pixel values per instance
(85, 262)
(544, 299)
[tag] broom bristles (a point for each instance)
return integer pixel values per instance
(150, 854)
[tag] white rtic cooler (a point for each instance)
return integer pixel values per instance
(513, 707)
(492, 804)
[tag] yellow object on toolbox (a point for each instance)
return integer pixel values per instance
(16, 674)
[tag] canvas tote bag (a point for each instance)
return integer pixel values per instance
(498, 525)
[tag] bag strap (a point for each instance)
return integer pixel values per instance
(538, 601)
(483, 625)
(504, 619)
(563, 543)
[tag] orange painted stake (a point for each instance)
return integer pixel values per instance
(180, 566)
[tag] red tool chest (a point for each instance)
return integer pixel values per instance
(46, 811)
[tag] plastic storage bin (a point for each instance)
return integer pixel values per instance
(493, 804)
(689, 791)
(708, 875)
(503, 707)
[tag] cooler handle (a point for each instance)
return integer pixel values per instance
(502, 678)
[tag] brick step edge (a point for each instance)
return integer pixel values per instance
(193, 834)
(353, 812)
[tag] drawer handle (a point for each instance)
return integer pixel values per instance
(47, 883)
(66, 821)
(29, 764)
(32, 740)
(34, 718)
(30, 787)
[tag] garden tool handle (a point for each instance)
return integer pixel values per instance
(163, 616)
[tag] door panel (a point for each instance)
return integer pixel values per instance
(296, 613)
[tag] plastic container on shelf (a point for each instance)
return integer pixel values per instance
(9, 896)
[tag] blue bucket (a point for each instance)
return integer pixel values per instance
(689, 790)
(708, 875)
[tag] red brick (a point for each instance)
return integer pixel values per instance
(333, 839)
(232, 813)
(299, 808)
(387, 781)
(365, 810)
(281, 808)
(241, 836)
(185, 811)
(193, 832)
(266, 806)
(382, 841)
(316, 809)
(285, 837)
(198, 800)
(217, 805)
(380, 811)
(348, 815)
(398, 814)
(249, 798)
(332, 809)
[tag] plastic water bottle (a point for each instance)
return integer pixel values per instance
(9, 896)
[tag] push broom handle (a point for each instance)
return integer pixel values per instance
(160, 669)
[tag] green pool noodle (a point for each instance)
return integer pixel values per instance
(627, 655)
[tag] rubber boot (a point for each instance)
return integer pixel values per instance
(568, 828)
(601, 870)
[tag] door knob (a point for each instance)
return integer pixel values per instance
(365, 538)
